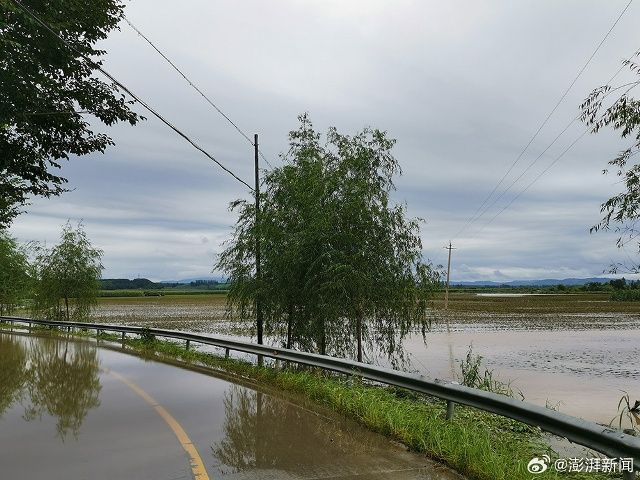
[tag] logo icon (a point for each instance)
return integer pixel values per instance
(538, 465)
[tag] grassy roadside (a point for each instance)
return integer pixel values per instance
(480, 445)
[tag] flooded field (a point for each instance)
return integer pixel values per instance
(577, 353)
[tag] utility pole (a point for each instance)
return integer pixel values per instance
(259, 325)
(446, 293)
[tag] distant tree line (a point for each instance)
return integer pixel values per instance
(204, 283)
(126, 284)
(146, 284)
(616, 284)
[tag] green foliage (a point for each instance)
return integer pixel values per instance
(14, 274)
(67, 277)
(623, 114)
(147, 336)
(595, 287)
(629, 412)
(44, 85)
(472, 375)
(618, 283)
(626, 296)
(341, 265)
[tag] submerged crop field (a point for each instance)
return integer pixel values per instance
(467, 311)
(574, 351)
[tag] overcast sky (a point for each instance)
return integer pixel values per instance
(461, 85)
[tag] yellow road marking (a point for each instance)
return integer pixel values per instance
(197, 466)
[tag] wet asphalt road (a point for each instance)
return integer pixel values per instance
(71, 410)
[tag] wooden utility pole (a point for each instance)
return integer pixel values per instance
(259, 324)
(446, 292)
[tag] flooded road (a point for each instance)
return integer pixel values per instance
(70, 409)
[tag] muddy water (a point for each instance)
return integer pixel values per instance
(580, 372)
(66, 413)
(579, 362)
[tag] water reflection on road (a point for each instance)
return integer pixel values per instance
(64, 415)
(263, 433)
(47, 376)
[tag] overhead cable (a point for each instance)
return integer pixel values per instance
(545, 170)
(195, 87)
(542, 125)
(128, 91)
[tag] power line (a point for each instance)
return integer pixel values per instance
(195, 87)
(631, 85)
(134, 96)
(534, 161)
(542, 125)
(556, 160)
(523, 173)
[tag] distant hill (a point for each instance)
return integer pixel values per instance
(535, 283)
(195, 279)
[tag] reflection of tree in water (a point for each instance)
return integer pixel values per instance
(266, 432)
(64, 382)
(13, 371)
(52, 376)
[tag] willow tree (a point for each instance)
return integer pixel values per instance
(67, 277)
(14, 274)
(342, 267)
(622, 211)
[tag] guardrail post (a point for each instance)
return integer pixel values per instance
(450, 405)
(226, 353)
(188, 343)
(123, 333)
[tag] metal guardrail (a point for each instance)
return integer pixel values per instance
(608, 441)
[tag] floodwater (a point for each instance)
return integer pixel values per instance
(579, 372)
(71, 409)
(580, 360)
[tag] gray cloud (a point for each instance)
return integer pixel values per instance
(461, 85)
